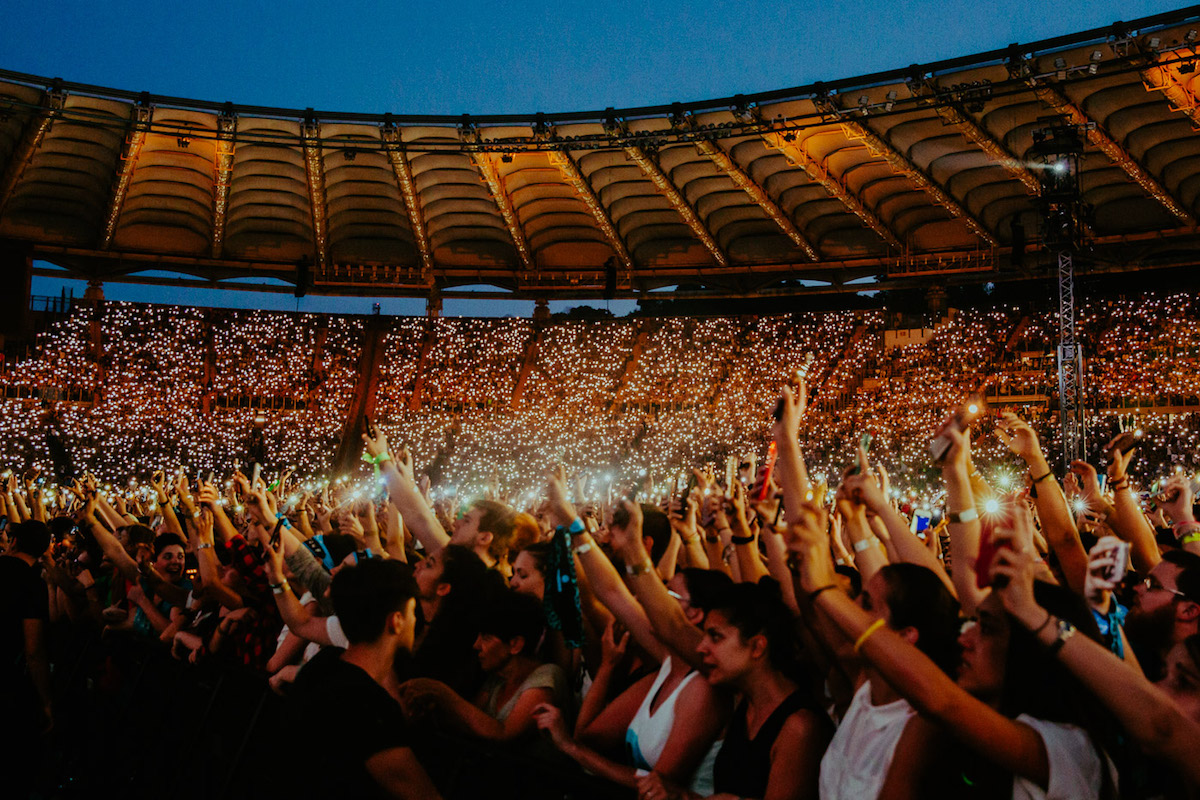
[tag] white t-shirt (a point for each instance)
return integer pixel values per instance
(337, 637)
(857, 760)
(1074, 764)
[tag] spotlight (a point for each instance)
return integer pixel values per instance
(350, 153)
(506, 158)
(183, 142)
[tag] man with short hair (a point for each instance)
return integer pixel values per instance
(1165, 609)
(25, 704)
(486, 528)
(344, 694)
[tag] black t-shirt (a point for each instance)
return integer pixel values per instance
(22, 596)
(355, 718)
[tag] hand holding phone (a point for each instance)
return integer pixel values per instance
(962, 418)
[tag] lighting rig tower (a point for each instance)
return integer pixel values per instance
(1064, 216)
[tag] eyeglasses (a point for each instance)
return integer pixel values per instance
(1154, 586)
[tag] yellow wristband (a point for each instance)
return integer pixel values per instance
(867, 634)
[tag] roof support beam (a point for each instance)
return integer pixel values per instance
(412, 201)
(758, 194)
(796, 154)
(226, 130)
(315, 170)
(900, 163)
(31, 139)
(668, 189)
(495, 184)
(570, 170)
(1054, 97)
(134, 139)
(953, 113)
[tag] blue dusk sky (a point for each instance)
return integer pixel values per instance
(497, 57)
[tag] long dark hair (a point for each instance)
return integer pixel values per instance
(1035, 683)
(917, 598)
(446, 651)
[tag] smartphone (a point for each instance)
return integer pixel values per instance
(1120, 555)
(731, 465)
(1124, 443)
(864, 444)
(964, 415)
(920, 521)
(989, 522)
(683, 498)
(794, 381)
(768, 469)
(257, 473)
(369, 427)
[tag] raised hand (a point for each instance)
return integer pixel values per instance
(1177, 499)
(625, 531)
(1102, 559)
(560, 507)
(1019, 437)
(808, 537)
(612, 646)
(861, 486)
(1017, 570)
(376, 445)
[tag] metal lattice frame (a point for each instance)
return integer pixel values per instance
(1070, 364)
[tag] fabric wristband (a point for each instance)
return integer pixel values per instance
(577, 526)
(742, 539)
(639, 569)
(863, 544)
(962, 517)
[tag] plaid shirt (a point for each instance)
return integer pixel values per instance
(254, 641)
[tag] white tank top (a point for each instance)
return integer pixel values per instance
(648, 733)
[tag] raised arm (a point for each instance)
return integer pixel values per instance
(404, 494)
(1146, 713)
(908, 548)
(210, 568)
(669, 622)
(602, 575)
(1058, 524)
(1014, 746)
(962, 521)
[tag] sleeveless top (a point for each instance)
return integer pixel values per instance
(743, 766)
(648, 733)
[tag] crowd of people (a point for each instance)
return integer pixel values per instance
(122, 388)
(673, 576)
(756, 633)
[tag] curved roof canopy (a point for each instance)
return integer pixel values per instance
(899, 175)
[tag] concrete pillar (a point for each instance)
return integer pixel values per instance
(16, 271)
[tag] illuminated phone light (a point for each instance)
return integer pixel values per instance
(991, 506)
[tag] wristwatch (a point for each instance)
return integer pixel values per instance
(1065, 631)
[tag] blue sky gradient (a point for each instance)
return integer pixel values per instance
(499, 57)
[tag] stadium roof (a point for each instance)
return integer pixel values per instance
(897, 176)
